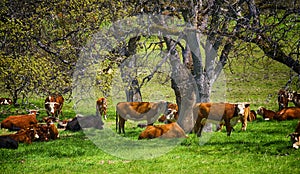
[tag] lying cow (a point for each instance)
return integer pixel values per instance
(265, 113)
(216, 112)
(171, 130)
(46, 131)
(79, 122)
(8, 143)
(101, 107)
(295, 137)
(138, 111)
(53, 105)
(17, 122)
(172, 115)
(24, 135)
(288, 114)
(5, 101)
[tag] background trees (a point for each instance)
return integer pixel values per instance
(41, 41)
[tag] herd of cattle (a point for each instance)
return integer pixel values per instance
(29, 129)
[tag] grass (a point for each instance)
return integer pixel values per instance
(263, 148)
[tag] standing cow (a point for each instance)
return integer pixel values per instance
(138, 111)
(216, 112)
(53, 105)
(101, 107)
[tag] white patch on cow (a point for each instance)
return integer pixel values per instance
(267, 119)
(295, 146)
(241, 107)
(6, 102)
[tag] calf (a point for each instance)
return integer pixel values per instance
(101, 107)
(171, 130)
(288, 114)
(18, 122)
(215, 112)
(172, 115)
(8, 142)
(5, 101)
(138, 111)
(265, 113)
(53, 105)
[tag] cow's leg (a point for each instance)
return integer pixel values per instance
(228, 127)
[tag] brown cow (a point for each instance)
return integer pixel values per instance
(252, 115)
(295, 137)
(172, 115)
(171, 130)
(53, 105)
(288, 114)
(216, 112)
(101, 107)
(267, 114)
(18, 122)
(284, 97)
(243, 118)
(24, 135)
(138, 111)
(46, 131)
(296, 98)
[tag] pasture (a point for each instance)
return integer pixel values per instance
(263, 148)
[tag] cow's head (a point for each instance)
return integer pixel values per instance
(295, 139)
(241, 108)
(52, 107)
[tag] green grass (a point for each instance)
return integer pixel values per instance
(263, 148)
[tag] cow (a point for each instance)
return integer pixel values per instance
(296, 99)
(80, 121)
(266, 114)
(288, 114)
(216, 112)
(24, 135)
(138, 111)
(295, 137)
(17, 122)
(46, 131)
(53, 105)
(101, 107)
(170, 130)
(8, 143)
(5, 101)
(252, 115)
(243, 118)
(284, 97)
(172, 114)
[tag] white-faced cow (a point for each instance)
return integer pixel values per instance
(138, 111)
(5, 101)
(215, 113)
(53, 105)
(172, 115)
(101, 107)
